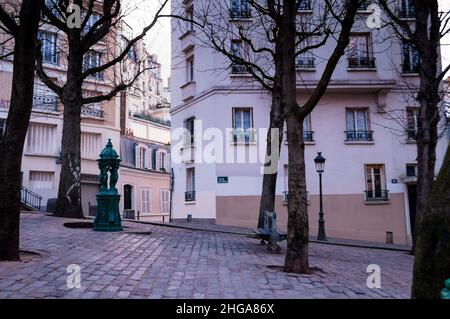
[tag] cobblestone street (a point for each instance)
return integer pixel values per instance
(180, 263)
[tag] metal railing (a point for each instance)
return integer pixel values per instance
(240, 13)
(406, 14)
(30, 198)
(239, 69)
(189, 196)
(241, 136)
(90, 111)
(305, 5)
(305, 63)
(359, 135)
(409, 68)
(377, 195)
(45, 102)
(308, 136)
(361, 63)
(150, 118)
(363, 4)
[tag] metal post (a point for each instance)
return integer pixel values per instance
(321, 234)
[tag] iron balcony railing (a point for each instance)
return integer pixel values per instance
(239, 69)
(305, 63)
(361, 63)
(406, 14)
(236, 13)
(363, 4)
(90, 111)
(189, 196)
(285, 197)
(359, 136)
(305, 5)
(241, 136)
(377, 195)
(409, 68)
(150, 118)
(411, 134)
(30, 198)
(308, 136)
(45, 102)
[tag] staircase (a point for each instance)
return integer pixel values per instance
(29, 200)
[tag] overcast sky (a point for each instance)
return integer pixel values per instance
(158, 40)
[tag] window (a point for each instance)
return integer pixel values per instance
(411, 170)
(305, 5)
(357, 125)
(411, 123)
(363, 4)
(146, 200)
(2, 127)
(154, 156)
(49, 47)
(237, 50)
(360, 52)
(240, 9)
(92, 109)
(190, 185)
(375, 183)
(308, 134)
(165, 201)
(90, 145)
(407, 9)
(189, 125)
(90, 23)
(41, 139)
(141, 157)
(243, 131)
(305, 60)
(410, 58)
(92, 59)
(132, 54)
(162, 161)
(190, 69)
(41, 180)
(53, 6)
(189, 14)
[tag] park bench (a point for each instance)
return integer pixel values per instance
(269, 234)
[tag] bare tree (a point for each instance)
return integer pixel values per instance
(267, 46)
(19, 20)
(432, 224)
(100, 21)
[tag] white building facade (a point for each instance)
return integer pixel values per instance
(370, 171)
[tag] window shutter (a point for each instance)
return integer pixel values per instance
(138, 157)
(168, 162)
(158, 160)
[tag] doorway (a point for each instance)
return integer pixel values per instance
(127, 196)
(412, 193)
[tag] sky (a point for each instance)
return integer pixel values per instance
(140, 13)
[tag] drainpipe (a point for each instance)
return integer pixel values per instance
(172, 180)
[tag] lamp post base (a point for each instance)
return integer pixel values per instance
(321, 234)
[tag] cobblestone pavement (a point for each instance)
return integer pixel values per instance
(179, 263)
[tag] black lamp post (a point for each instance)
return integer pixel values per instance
(320, 166)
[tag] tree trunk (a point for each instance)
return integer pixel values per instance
(298, 228)
(11, 144)
(68, 203)
(269, 184)
(432, 251)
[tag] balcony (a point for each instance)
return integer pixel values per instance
(240, 14)
(361, 63)
(188, 153)
(359, 136)
(308, 136)
(377, 195)
(411, 135)
(188, 91)
(189, 196)
(45, 102)
(147, 117)
(305, 63)
(406, 14)
(410, 68)
(363, 5)
(237, 69)
(187, 41)
(243, 137)
(92, 111)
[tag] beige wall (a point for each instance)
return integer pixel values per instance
(346, 216)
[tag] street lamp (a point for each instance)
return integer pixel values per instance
(320, 166)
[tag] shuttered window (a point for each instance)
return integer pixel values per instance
(146, 200)
(90, 145)
(165, 201)
(41, 139)
(41, 180)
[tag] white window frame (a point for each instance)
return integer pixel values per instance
(49, 47)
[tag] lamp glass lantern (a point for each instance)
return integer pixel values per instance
(320, 163)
